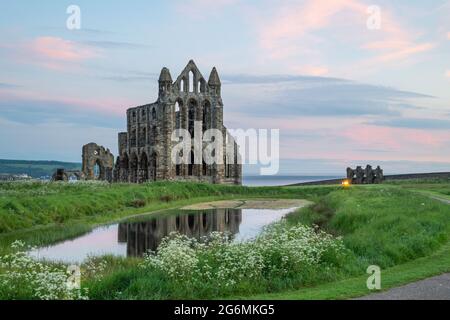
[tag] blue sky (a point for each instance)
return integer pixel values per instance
(339, 92)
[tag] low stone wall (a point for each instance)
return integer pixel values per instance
(433, 175)
(318, 183)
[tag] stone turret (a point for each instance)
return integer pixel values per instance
(165, 81)
(214, 81)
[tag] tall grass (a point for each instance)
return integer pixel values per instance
(29, 204)
(382, 225)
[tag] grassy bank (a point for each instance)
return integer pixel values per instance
(41, 213)
(379, 225)
(382, 225)
(435, 264)
(396, 227)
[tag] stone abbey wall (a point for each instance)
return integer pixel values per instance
(145, 149)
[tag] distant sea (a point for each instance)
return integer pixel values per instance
(282, 180)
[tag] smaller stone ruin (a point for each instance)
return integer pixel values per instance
(365, 176)
(98, 163)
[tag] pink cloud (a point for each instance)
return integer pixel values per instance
(106, 105)
(448, 36)
(51, 53)
(404, 52)
(447, 74)
(349, 138)
(403, 140)
(386, 44)
(360, 142)
(60, 49)
(299, 26)
(295, 20)
(311, 70)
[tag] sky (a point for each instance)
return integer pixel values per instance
(347, 82)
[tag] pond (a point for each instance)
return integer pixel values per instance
(135, 237)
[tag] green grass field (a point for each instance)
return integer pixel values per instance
(402, 227)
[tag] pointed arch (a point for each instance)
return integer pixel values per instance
(201, 85)
(192, 83)
(124, 167)
(133, 138)
(192, 108)
(98, 170)
(153, 135)
(206, 121)
(178, 112)
(191, 164)
(204, 168)
(182, 85)
(134, 164)
(143, 166)
(153, 166)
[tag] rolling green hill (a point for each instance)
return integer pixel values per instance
(35, 169)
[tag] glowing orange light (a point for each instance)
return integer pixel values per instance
(346, 183)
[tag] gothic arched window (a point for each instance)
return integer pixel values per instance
(182, 85)
(191, 81)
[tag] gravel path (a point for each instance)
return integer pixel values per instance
(442, 200)
(436, 288)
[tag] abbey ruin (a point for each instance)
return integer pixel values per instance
(145, 149)
(97, 164)
(365, 176)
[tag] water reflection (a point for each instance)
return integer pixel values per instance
(134, 238)
(147, 235)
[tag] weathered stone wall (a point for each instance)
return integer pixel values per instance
(95, 155)
(145, 150)
(123, 142)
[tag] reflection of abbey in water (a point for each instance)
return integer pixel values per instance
(143, 236)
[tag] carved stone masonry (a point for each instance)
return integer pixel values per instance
(145, 149)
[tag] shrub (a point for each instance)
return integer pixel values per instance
(166, 198)
(25, 278)
(138, 203)
(217, 262)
